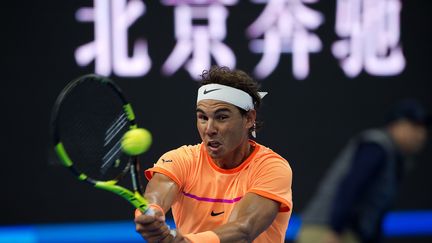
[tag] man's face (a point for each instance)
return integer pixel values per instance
(414, 136)
(222, 127)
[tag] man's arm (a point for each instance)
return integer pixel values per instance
(161, 191)
(249, 218)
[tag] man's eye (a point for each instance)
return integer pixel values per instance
(222, 117)
(202, 117)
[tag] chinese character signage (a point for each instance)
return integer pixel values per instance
(367, 37)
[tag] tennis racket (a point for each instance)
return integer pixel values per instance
(89, 119)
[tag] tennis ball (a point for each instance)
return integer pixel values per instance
(136, 141)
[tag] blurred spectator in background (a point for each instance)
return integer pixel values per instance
(361, 185)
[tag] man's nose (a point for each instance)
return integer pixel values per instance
(211, 128)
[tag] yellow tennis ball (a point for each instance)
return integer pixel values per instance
(136, 141)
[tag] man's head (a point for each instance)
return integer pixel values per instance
(226, 109)
(234, 78)
(408, 122)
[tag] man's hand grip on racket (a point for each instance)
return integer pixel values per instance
(151, 225)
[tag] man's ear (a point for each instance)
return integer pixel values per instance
(251, 118)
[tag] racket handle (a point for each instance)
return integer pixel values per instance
(151, 212)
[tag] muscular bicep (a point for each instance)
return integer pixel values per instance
(256, 211)
(249, 218)
(161, 190)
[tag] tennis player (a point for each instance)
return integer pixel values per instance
(228, 188)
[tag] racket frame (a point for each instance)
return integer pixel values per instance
(134, 197)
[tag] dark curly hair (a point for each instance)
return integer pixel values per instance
(237, 79)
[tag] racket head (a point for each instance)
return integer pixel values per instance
(89, 119)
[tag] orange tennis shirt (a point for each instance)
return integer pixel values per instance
(209, 193)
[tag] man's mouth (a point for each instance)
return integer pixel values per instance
(213, 145)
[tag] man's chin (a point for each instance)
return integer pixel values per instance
(215, 154)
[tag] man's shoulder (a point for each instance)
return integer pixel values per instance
(183, 153)
(268, 153)
(379, 137)
(266, 157)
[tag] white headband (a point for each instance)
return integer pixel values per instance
(227, 94)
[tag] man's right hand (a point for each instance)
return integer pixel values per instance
(153, 227)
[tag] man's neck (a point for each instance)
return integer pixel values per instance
(236, 158)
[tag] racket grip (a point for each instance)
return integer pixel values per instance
(151, 212)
